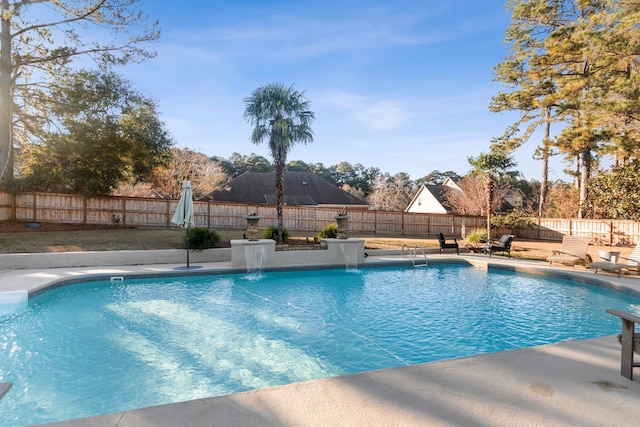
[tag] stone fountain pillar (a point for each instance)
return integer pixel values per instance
(252, 227)
(343, 225)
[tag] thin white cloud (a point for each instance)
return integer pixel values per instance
(313, 32)
(374, 114)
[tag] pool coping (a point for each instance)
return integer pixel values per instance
(570, 383)
(39, 280)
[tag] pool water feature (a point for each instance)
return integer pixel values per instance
(101, 347)
(254, 256)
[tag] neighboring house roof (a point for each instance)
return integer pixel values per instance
(431, 199)
(452, 182)
(300, 188)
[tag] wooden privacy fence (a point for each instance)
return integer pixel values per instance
(142, 212)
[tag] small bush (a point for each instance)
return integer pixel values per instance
(477, 236)
(202, 238)
(329, 232)
(272, 233)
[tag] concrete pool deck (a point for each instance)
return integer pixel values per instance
(575, 383)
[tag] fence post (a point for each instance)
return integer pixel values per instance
(35, 207)
(167, 213)
(84, 210)
(315, 219)
(375, 221)
(610, 233)
(14, 213)
(124, 210)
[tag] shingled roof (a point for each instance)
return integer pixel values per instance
(440, 193)
(300, 188)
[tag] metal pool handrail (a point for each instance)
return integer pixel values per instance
(414, 254)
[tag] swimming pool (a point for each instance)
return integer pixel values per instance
(101, 347)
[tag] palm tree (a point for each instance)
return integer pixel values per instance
(280, 115)
(495, 168)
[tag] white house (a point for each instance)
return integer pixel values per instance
(515, 197)
(431, 198)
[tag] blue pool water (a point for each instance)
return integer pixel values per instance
(101, 347)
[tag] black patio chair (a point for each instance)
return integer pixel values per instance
(503, 245)
(445, 245)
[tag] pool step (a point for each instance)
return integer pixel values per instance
(4, 388)
(12, 302)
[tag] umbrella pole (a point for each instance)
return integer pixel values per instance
(187, 246)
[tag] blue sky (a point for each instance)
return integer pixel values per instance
(400, 85)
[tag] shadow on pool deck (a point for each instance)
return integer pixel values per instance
(576, 383)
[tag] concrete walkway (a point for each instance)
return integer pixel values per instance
(575, 383)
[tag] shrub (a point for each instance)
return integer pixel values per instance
(477, 237)
(329, 232)
(513, 221)
(202, 238)
(272, 233)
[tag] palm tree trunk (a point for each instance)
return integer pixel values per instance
(280, 165)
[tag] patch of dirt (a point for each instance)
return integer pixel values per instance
(145, 238)
(25, 227)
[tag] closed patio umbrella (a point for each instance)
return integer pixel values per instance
(183, 215)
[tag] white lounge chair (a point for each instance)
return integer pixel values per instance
(573, 251)
(633, 263)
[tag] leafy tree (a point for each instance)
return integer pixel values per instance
(40, 38)
(253, 163)
(580, 139)
(106, 133)
(392, 193)
(495, 169)
(436, 178)
(281, 116)
(616, 192)
(323, 172)
(298, 165)
(368, 176)
(237, 164)
(600, 87)
(576, 62)
(531, 81)
(355, 176)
